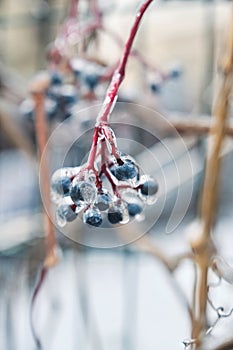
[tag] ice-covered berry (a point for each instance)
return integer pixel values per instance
(124, 170)
(66, 212)
(134, 209)
(61, 185)
(149, 187)
(55, 79)
(91, 80)
(115, 215)
(82, 191)
(175, 71)
(103, 201)
(155, 87)
(92, 217)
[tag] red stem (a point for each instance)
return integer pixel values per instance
(135, 53)
(95, 9)
(91, 159)
(103, 117)
(39, 284)
(73, 9)
(111, 95)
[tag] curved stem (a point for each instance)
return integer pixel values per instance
(91, 158)
(118, 76)
(73, 9)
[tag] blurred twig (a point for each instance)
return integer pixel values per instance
(197, 126)
(203, 246)
(146, 244)
(38, 88)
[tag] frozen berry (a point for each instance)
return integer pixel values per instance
(115, 215)
(91, 80)
(156, 83)
(66, 212)
(92, 217)
(61, 185)
(75, 193)
(56, 79)
(155, 87)
(175, 71)
(149, 187)
(103, 201)
(134, 209)
(125, 171)
(82, 192)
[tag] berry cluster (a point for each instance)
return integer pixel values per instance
(108, 187)
(63, 90)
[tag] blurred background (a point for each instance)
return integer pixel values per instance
(106, 293)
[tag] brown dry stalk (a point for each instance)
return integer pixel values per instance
(41, 135)
(196, 126)
(203, 246)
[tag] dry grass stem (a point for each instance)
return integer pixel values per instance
(202, 245)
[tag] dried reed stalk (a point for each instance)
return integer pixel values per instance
(202, 245)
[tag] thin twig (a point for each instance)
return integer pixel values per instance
(196, 126)
(41, 135)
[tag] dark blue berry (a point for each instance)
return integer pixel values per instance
(91, 80)
(134, 209)
(149, 187)
(62, 185)
(103, 201)
(155, 87)
(76, 194)
(125, 171)
(115, 215)
(175, 72)
(66, 212)
(93, 218)
(83, 191)
(55, 79)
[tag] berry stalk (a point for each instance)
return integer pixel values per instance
(73, 9)
(94, 189)
(118, 76)
(112, 92)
